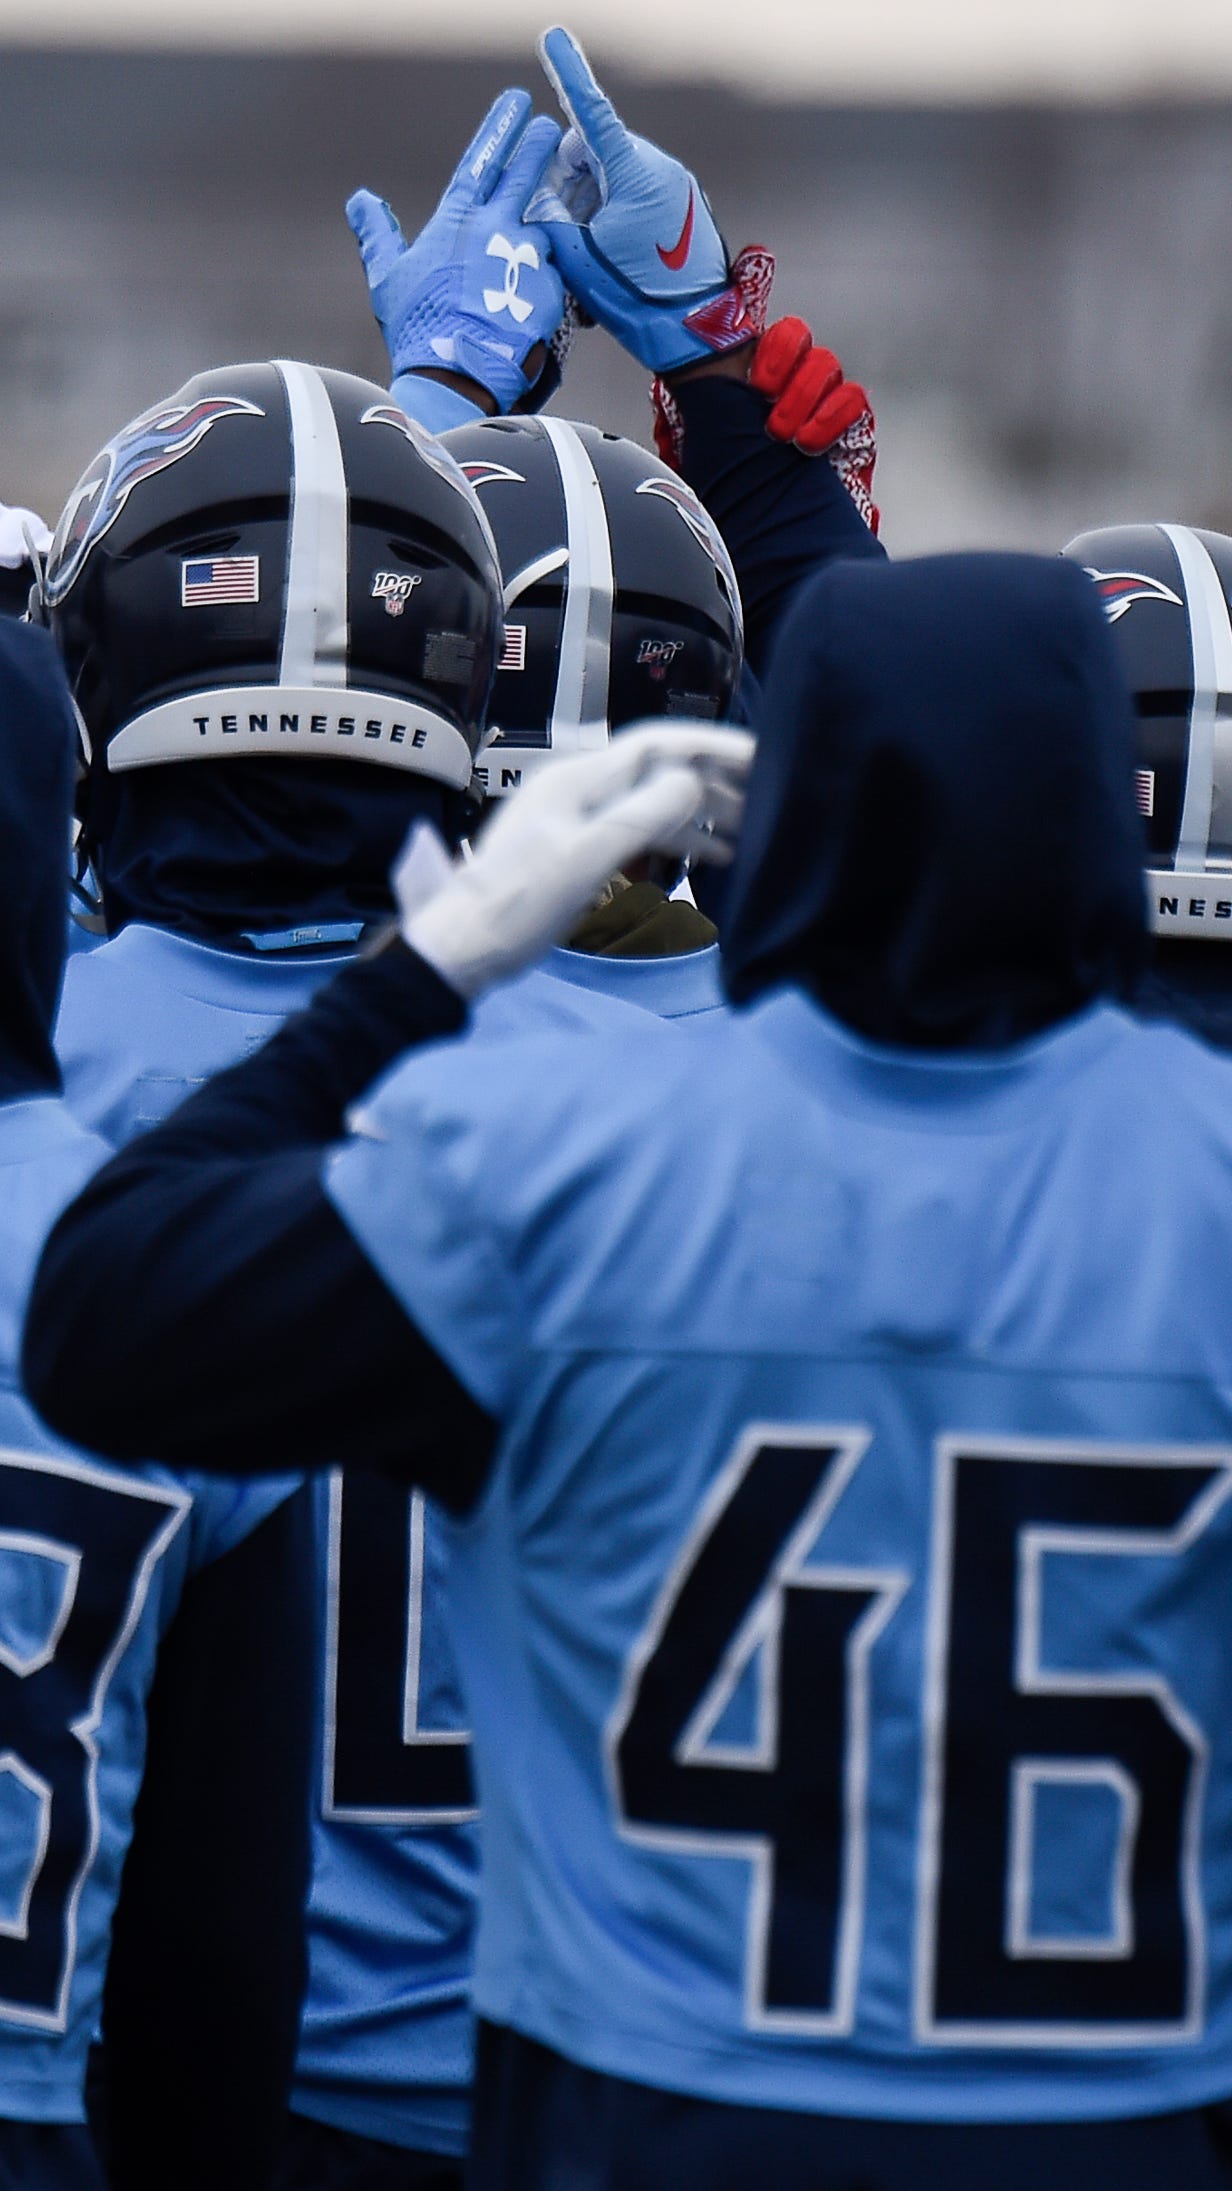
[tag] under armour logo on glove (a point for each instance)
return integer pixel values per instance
(435, 299)
(516, 256)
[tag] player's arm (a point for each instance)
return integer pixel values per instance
(207, 1963)
(782, 512)
(649, 264)
(205, 1302)
(202, 1299)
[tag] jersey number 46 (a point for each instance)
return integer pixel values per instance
(1009, 1735)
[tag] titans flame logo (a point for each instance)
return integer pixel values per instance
(485, 475)
(155, 441)
(704, 531)
(1118, 590)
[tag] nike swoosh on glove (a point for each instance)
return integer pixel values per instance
(477, 290)
(815, 408)
(673, 787)
(647, 262)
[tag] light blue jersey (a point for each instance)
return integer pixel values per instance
(570, 990)
(396, 1766)
(387, 2040)
(386, 2043)
(149, 1015)
(845, 1624)
(93, 1561)
(683, 987)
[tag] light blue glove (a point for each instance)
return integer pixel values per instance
(477, 290)
(649, 263)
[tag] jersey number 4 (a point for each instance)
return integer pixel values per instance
(749, 1612)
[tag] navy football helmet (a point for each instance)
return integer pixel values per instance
(275, 560)
(620, 597)
(1166, 591)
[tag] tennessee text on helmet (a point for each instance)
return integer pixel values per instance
(277, 560)
(620, 597)
(1166, 591)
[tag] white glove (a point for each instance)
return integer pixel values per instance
(21, 531)
(673, 787)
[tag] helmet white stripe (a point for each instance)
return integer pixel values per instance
(580, 707)
(1210, 631)
(315, 625)
(531, 573)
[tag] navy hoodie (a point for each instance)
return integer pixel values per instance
(941, 840)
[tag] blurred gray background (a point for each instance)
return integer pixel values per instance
(1039, 298)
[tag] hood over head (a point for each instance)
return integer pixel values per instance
(37, 746)
(941, 841)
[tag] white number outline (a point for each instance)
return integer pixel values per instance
(762, 1625)
(413, 1735)
(1027, 1775)
(1035, 1543)
(179, 1504)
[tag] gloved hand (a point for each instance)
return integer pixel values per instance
(477, 290)
(667, 787)
(23, 536)
(816, 409)
(648, 263)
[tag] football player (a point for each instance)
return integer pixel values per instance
(152, 1633)
(277, 577)
(222, 887)
(198, 590)
(280, 607)
(834, 1397)
(620, 603)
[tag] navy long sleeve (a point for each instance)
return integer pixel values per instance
(202, 1299)
(782, 514)
(207, 1961)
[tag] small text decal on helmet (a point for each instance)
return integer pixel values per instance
(657, 655)
(395, 588)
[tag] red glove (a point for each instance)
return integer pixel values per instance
(815, 409)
